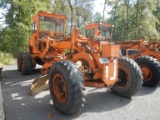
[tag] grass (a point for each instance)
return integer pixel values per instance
(6, 58)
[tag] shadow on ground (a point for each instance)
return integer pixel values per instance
(19, 104)
(146, 90)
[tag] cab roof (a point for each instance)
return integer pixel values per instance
(49, 14)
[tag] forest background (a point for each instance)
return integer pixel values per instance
(132, 19)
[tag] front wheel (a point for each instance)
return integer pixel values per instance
(66, 87)
(130, 78)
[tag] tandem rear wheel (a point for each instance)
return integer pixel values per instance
(24, 63)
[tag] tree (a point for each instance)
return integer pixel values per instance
(133, 19)
(97, 17)
(80, 13)
(18, 20)
(157, 14)
(19, 14)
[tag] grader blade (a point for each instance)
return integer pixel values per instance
(39, 84)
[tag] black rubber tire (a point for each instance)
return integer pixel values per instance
(33, 64)
(152, 64)
(130, 78)
(26, 66)
(19, 61)
(75, 87)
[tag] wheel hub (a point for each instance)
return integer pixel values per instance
(147, 74)
(60, 88)
(123, 80)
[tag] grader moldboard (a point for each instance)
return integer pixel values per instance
(70, 62)
(143, 53)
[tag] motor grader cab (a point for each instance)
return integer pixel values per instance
(100, 30)
(66, 73)
(46, 24)
(146, 55)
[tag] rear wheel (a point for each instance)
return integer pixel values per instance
(33, 64)
(26, 65)
(150, 69)
(19, 61)
(66, 87)
(130, 78)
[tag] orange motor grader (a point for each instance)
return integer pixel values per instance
(138, 50)
(70, 62)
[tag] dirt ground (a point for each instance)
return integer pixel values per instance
(101, 104)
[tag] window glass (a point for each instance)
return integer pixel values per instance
(51, 24)
(123, 52)
(131, 52)
(34, 26)
(105, 31)
(92, 32)
(88, 33)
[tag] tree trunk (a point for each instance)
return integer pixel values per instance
(71, 8)
(77, 14)
(137, 8)
(127, 18)
(104, 9)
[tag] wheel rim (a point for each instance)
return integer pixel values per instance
(123, 79)
(147, 73)
(60, 88)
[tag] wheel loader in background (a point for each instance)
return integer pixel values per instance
(140, 51)
(70, 62)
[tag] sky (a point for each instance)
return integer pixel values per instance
(1, 20)
(98, 7)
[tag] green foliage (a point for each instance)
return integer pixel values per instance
(98, 17)
(134, 19)
(14, 38)
(80, 13)
(6, 58)
(66, 51)
(157, 14)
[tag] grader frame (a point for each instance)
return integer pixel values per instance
(70, 62)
